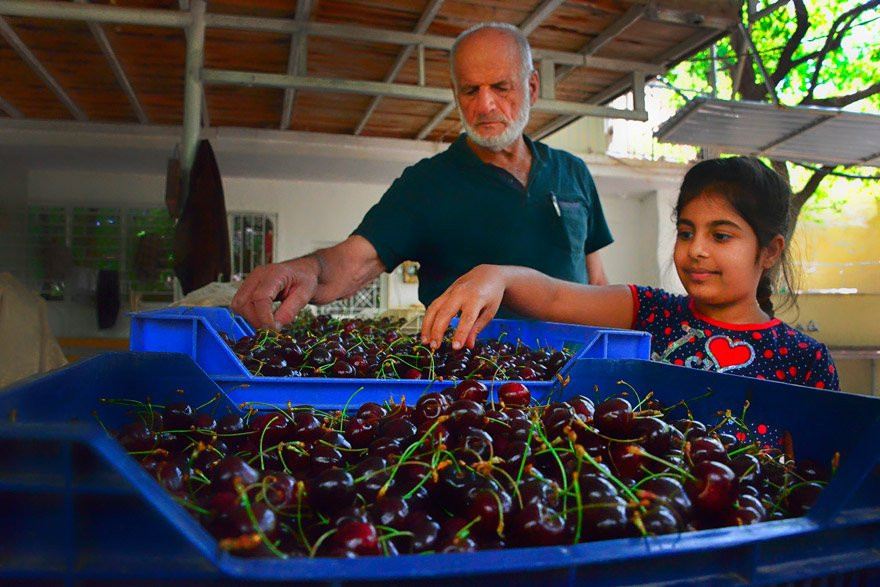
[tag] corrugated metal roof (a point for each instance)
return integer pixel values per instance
(795, 133)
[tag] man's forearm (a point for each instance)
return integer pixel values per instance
(344, 269)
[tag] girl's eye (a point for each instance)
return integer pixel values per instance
(685, 234)
(721, 237)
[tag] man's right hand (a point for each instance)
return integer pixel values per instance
(294, 282)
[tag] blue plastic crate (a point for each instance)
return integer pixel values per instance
(84, 512)
(195, 332)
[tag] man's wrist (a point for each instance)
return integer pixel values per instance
(320, 264)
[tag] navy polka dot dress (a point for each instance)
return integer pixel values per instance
(772, 350)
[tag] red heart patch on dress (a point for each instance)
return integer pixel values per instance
(728, 354)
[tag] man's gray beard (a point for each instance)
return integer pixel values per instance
(506, 138)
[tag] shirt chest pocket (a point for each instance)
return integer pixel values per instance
(572, 216)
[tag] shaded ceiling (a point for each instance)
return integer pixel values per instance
(349, 67)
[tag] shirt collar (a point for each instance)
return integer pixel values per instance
(465, 155)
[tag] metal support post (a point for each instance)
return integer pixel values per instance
(192, 92)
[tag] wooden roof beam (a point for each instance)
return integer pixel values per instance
(28, 57)
(403, 91)
(425, 20)
(625, 83)
(116, 66)
(94, 13)
(635, 12)
(296, 60)
(9, 109)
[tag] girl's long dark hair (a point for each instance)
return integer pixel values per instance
(762, 197)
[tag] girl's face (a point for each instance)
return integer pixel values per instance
(717, 256)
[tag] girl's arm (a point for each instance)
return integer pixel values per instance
(478, 294)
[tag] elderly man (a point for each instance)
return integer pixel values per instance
(493, 197)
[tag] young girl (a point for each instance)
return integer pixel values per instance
(731, 217)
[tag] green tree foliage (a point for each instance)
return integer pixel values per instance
(817, 53)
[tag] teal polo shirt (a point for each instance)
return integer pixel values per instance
(452, 212)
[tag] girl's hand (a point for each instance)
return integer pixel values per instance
(477, 294)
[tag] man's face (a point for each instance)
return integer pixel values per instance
(493, 102)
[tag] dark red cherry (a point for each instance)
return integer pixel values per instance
(514, 393)
(604, 521)
(539, 491)
(325, 457)
(614, 417)
(537, 525)
(391, 511)
(137, 437)
(661, 519)
(429, 407)
(178, 416)
(464, 413)
(668, 491)
(707, 448)
(473, 445)
(471, 389)
(714, 489)
(627, 463)
(691, 428)
(306, 426)
(230, 469)
(583, 407)
(491, 507)
(360, 432)
(371, 410)
(812, 471)
(331, 490)
(398, 428)
(424, 533)
(343, 369)
(358, 537)
(595, 488)
(654, 435)
(802, 498)
(280, 490)
(748, 470)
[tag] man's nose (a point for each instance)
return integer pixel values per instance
(486, 100)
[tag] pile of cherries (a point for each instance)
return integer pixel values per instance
(326, 347)
(457, 472)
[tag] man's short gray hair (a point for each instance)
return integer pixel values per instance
(525, 51)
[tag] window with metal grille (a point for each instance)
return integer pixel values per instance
(365, 301)
(46, 236)
(65, 240)
(252, 241)
(149, 251)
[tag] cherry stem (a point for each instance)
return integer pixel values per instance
(314, 549)
(242, 495)
(642, 452)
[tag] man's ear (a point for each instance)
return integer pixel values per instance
(771, 254)
(534, 87)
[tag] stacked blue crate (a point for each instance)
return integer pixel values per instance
(196, 332)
